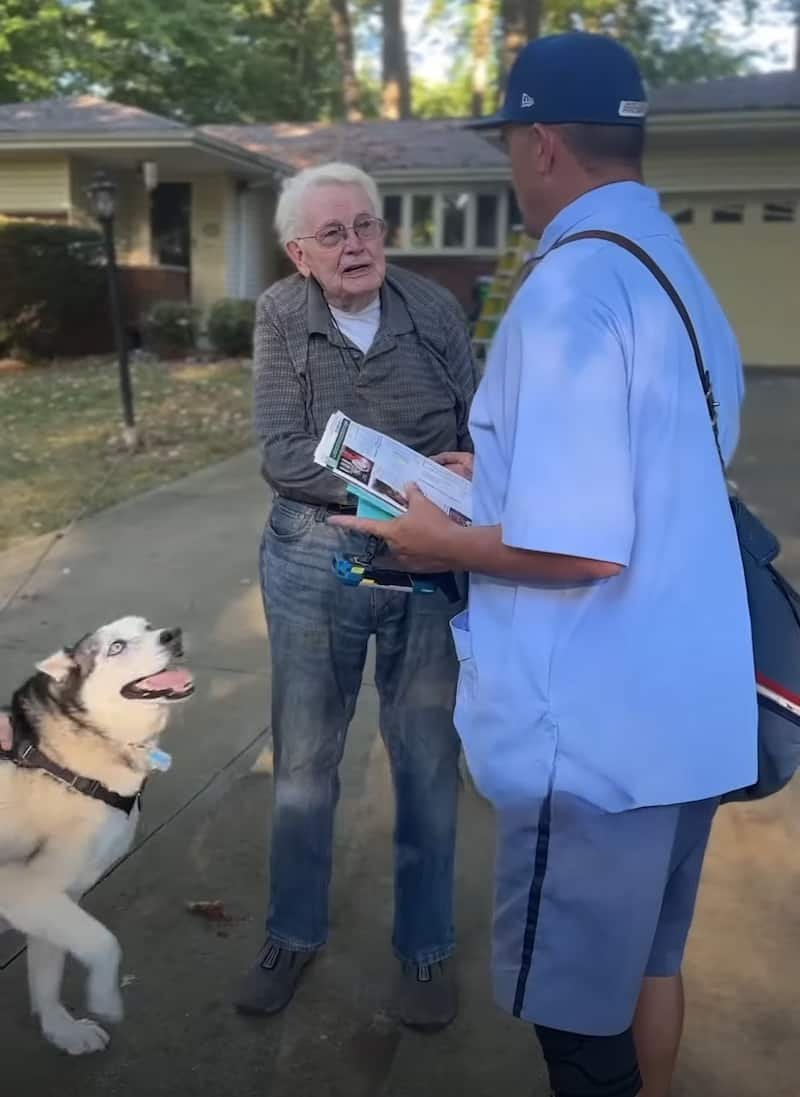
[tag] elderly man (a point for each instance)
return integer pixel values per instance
(607, 695)
(390, 349)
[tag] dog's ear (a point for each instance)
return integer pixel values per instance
(84, 655)
(58, 666)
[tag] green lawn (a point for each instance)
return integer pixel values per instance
(60, 434)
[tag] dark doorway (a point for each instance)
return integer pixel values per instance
(170, 224)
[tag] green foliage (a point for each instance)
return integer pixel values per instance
(681, 41)
(267, 60)
(214, 60)
(195, 60)
(433, 99)
(230, 327)
(31, 58)
(170, 329)
(53, 289)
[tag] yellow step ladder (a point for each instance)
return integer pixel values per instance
(512, 268)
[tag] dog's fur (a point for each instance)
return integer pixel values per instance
(89, 710)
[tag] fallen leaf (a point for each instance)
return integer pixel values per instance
(211, 909)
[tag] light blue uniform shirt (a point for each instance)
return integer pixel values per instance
(592, 439)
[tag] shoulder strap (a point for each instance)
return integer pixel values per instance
(672, 293)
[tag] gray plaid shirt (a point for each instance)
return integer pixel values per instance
(415, 383)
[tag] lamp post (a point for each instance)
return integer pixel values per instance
(102, 195)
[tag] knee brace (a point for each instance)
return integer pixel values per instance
(590, 1066)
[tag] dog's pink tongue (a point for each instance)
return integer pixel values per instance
(177, 680)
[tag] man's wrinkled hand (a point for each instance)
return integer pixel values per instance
(416, 541)
(460, 463)
(6, 738)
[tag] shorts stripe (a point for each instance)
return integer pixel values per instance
(775, 706)
(534, 904)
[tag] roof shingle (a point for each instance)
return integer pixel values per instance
(379, 146)
(81, 114)
(417, 144)
(761, 91)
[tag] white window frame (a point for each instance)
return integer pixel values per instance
(438, 192)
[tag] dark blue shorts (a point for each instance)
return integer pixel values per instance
(588, 903)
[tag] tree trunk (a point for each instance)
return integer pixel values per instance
(522, 21)
(481, 52)
(343, 33)
(396, 98)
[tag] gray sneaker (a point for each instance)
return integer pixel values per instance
(271, 982)
(427, 996)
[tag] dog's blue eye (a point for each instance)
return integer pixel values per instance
(117, 647)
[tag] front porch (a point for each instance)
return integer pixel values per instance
(188, 226)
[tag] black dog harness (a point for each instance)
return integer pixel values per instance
(26, 755)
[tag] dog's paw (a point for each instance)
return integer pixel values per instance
(75, 1037)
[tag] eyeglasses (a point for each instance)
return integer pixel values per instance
(330, 236)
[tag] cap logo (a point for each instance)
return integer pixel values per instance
(527, 100)
(632, 108)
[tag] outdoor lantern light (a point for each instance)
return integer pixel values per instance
(102, 195)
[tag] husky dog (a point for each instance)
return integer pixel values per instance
(84, 738)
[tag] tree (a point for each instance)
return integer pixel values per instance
(683, 40)
(793, 8)
(194, 60)
(481, 53)
(34, 48)
(343, 34)
(396, 101)
(521, 23)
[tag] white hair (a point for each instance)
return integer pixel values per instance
(290, 204)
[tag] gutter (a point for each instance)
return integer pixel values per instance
(189, 139)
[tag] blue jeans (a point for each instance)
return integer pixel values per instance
(319, 632)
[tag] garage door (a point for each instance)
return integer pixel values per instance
(749, 248)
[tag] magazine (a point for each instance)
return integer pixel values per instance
(378, 468)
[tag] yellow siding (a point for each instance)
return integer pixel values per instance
(34, 185)
(212, 208)
(133, 219)
(714, 167)
(132, 222)
(754, 267)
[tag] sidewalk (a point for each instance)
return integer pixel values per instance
(186, 555)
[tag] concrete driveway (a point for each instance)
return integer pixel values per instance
(186, 554)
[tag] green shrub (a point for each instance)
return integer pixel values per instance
(230, 327)
(170, 329)
(53, 290)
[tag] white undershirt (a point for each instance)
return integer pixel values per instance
(360, 327)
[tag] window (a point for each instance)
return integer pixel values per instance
(393, 216)
(454, 219)
(423, 227)
(487, 221)
(684, 216)
(728, 215)
(779, 211)
(445, 219)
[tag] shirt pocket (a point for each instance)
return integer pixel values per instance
(462, 637)
(510, 749)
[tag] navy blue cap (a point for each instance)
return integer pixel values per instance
(574, 77)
